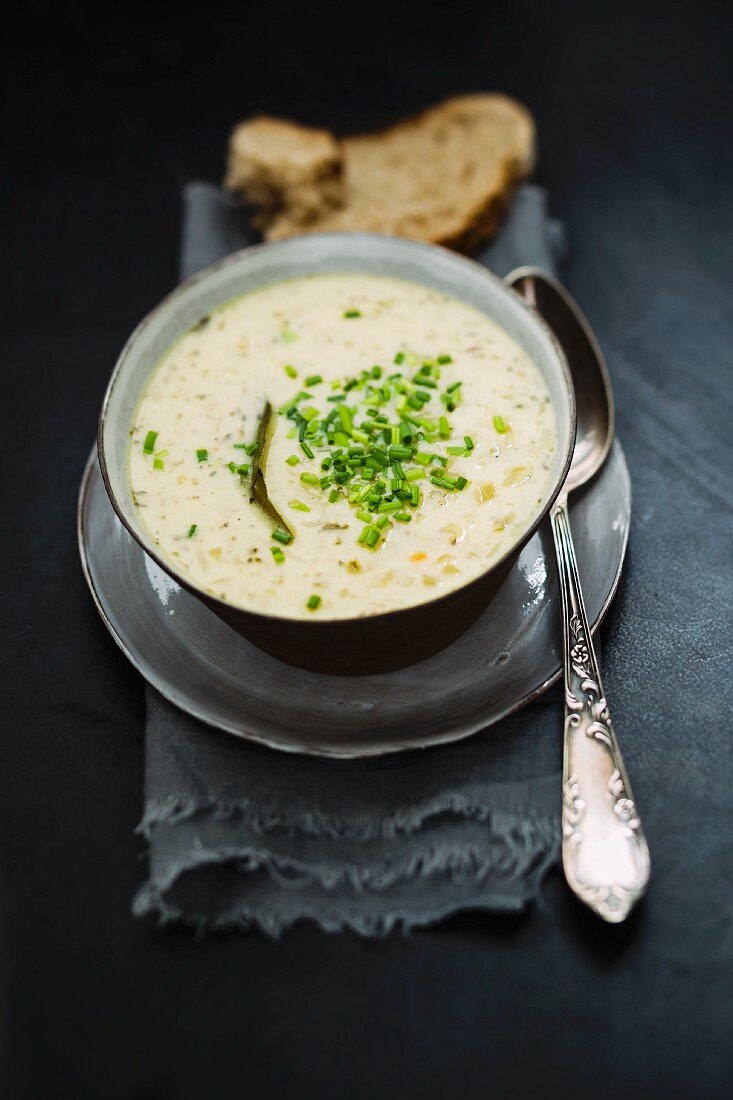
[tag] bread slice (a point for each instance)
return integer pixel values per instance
(444, 176)
(283, 169)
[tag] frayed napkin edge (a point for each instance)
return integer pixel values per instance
(515, 847)
(315, 823)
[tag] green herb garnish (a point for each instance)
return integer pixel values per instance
(313, 603)
(374, 439)
(351, 313)
(202, 455)
(500, 424)
(192, 531)
(149, 443)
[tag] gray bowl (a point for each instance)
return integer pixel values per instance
(373, 643)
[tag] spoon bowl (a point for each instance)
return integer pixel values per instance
(593, 394)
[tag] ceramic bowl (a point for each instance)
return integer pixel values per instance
(372, 643)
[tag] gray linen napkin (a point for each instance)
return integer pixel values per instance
(240, 836)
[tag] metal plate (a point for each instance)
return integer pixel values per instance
(508, 657)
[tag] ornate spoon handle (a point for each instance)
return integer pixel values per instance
(604, 852)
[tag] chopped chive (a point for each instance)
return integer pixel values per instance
(307, 450)
(345, 418)
(158, 463)
(399, 358)
(299, 506)
(443, 359)
(500, 425)
(444, 427)
(313, 603)
(277, 554)
(398, 451)
(456, 450)
(351, 313)
(291, 372)
(373, 537)
(202, 455)
(376, 372)
(149, 443)
(282, 536)
(443, 482)
(469, 442)
(461, 482)
(192, 530)
(292, 460)
(333, 496)
(309, 479)
(402, 517)
(313, 379)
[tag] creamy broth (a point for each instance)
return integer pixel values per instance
(409, 400)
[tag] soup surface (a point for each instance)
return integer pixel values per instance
(338, 446)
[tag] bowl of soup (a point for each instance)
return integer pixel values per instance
(340, 443)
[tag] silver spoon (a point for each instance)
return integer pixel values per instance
(604, 851)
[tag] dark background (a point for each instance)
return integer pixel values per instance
(102, 126)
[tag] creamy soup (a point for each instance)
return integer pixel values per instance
(338, 446)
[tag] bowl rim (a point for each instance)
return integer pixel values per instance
(531, 315)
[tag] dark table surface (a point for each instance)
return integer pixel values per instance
(102, 128)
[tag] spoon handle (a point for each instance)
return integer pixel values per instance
(604, 852)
